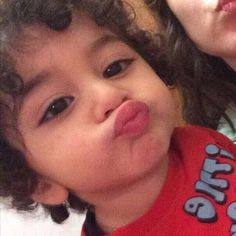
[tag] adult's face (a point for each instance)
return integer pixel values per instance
(210, 24)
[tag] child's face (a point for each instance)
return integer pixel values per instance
(94, 116)
(208, 25)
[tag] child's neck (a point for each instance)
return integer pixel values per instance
(131, 203)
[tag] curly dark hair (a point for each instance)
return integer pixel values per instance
(207, 83)
(17, 179)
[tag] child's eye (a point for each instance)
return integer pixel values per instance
(56, 107)
(117, 67)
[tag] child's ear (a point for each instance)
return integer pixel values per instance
(49, 192)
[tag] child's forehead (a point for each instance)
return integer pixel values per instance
(83, 37)
(38, 37)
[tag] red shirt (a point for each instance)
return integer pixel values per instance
(199, 196)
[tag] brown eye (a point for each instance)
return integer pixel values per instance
(56, 107)
(117, 67)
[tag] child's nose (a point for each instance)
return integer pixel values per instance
(107, 98)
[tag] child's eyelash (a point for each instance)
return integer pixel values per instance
(56, 107)
(117, 67)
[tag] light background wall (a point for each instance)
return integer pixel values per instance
(37, 224)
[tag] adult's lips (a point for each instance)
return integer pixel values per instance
(132, 118)
(227, 5)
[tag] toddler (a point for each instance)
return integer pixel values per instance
(86, 123)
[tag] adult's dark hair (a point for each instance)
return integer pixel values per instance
(207, 83)
(17, 180)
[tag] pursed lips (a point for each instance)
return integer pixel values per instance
(131, 119)
(227, 5)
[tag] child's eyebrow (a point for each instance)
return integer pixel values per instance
(103, 41)
(33, 83)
